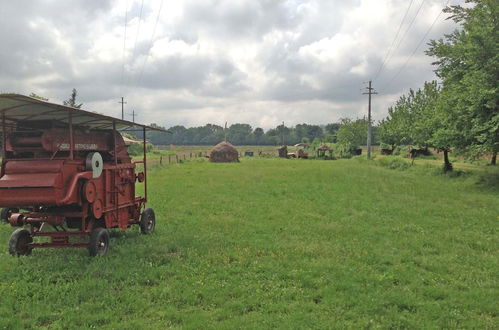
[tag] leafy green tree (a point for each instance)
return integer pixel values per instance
(423, 104)
(311, 132)
(420, 118)
(71, 102)
(272, 137)
(239, 133)
(445, 133)
(210, 134)
(178, 133)
(467, 62)
(258, 133)
(407, 121)
(393, 130)
(331, 130)
(283, 133)
(352, 133)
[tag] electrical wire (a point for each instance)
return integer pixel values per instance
(393, 42)
(136, 37)
(417, 47)
(406, 31)
(150, 43)
(124, 48)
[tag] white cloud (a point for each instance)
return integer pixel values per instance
(211, 61)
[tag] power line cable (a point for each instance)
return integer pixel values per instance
(150, 43)
(124, 50)
(393, 42)
(417, 47)
(406, 31)
(136, 37)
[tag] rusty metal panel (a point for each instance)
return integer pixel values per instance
(31, 180)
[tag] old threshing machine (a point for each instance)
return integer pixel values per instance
(66, 177)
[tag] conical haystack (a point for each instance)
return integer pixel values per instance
(224, 152)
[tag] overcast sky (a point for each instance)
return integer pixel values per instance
(194, 62)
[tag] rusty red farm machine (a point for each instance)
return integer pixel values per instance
(66, 176)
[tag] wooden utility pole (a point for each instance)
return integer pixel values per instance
(133, 116)
(225, 132)
(369, 92)
(282, 134)
(122, 108)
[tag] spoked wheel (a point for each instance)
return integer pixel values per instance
(18, 243)
(6, 212)
(147, 221)
(99, 242)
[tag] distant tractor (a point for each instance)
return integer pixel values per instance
(66, 177)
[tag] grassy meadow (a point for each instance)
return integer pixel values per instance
(277, 243)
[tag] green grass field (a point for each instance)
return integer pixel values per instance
(276, 243)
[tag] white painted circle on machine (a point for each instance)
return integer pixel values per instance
(94, 163)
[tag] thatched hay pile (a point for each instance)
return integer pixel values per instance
(224, 152)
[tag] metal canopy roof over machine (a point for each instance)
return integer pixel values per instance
(19, 108)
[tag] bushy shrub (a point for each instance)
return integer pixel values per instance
(432, 157)
(489, 179)
(136, 149)
(394, 163)
(316, 143)
(401, 151)
(343, 150)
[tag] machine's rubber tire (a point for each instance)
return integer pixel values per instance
(18, 243)
(147, 221)
(6, 212)
(99, 242)
(4, 215)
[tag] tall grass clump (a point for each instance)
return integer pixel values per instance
(489, 178)
(394, 163)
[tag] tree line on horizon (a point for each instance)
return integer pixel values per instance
(355, 131)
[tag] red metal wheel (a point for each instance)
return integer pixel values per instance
(90, 191)
(18, 243)
(97, 209)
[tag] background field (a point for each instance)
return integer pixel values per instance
(277, 243)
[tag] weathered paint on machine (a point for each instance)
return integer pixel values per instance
(71, 173)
